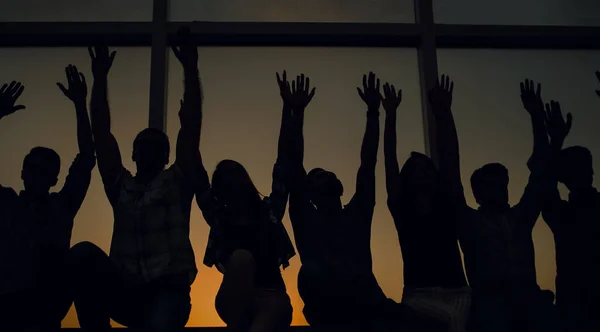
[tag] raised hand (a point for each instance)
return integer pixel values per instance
(101, 60)
(77, 90)
(532, 97)
(557, 127)
(285, 91)
(9, 93)
(187, 52)
(598, 77)
(370, 93)
(300, 95)
(440, 96)
(391, 99)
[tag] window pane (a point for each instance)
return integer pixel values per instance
(242, 118)
(75, 11)
(493, 126)
(518, 12)
(353, 11)
(49, 120)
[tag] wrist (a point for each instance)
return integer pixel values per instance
(373, 112)
(190, 69)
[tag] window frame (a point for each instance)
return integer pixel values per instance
(424, 34)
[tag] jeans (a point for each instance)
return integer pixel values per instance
(449, 306)
(102, 292)
(514, 310)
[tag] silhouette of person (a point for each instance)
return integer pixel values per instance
(497, 239)
(248, 242)
(575, 228)
(37, 225)
(145, 282)
(336, 280)
(420, 203)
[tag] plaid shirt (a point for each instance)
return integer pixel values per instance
(35, 233)
(273, 210)
(498, 248)
(151, 236)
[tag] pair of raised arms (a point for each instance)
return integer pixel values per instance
(298, 94)
(76, 91)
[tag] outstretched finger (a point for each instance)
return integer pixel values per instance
(293, 86)
(598, 74)
(312, 94)
(360, 93)
(19, 91)
(365, 82)
(18, 107)
(378, 84)
(538, 92)
(62, 88)
(279, 81)
(386, 89)
(91, 52)
(112, 56)
(3, 88)
(307, 85)
(522, 88)
(175, 51)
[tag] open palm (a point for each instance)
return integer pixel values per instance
(9, 93)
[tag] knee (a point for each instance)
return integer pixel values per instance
(84, 253)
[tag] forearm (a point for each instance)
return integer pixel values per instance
(284, 141)
(392, 169)
(540, 136)
(389, 140)
(100, 111)
(370, 144)
(84, 130)
(297, 139)
(447, 138)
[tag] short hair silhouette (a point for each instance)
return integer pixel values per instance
(155, 135)
(491, 170)
(50, 158)
(572, 160)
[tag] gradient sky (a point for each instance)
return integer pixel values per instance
(243, 108)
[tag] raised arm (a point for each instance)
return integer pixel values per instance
(365, 179)
(9, 93)
(190, 114)
(390, 102)
(440, 98)
(598, 77)
(80, 174)
(107, 149)
(558, 129)
(538, 185)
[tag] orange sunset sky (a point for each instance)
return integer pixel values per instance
(243, 109)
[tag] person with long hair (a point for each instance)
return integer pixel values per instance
(434, 282)
(248, 242)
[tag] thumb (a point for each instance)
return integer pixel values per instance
(19, 107)
(62, 88)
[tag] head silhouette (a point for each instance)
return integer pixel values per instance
(324, 188)
(575, 168)
(151, 150)
(418, 173)
(490, 186)
(40, 170)
(231, 185)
